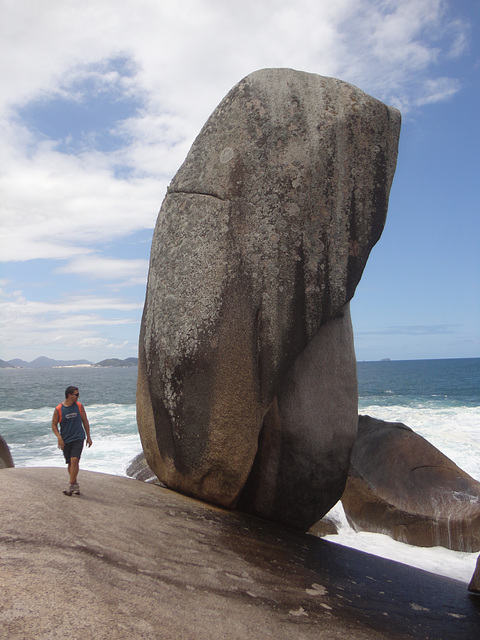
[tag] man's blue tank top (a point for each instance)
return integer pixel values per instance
(71, 426)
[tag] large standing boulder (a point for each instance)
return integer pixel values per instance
(401, 485)
(259, 245)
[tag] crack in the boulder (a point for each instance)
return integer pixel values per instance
(432, 466)
(198, 193)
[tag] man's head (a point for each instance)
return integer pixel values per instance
(71, 391)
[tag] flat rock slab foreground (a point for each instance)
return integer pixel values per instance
(131, 560)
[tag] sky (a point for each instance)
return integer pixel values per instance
(100, 103)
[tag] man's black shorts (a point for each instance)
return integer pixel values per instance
(72, 450)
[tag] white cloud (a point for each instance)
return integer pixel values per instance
(127, 272)
(100, 343)
(17, 309)
(414, 330)
(438, 90)
(392, 47)
(66, 200)
(178, 60)
(47, 195)
(70, 323)
(187, 54)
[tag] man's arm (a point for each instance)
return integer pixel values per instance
(86, 425)
(55, 430)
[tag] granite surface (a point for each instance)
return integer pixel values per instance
(127, 559)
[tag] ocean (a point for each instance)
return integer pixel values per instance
(439, 399)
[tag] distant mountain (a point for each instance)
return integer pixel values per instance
(44, 362)
(115, 362)
(17, 363)
(48, 362)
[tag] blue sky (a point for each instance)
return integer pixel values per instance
(98, 108)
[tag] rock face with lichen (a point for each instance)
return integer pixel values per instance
(401, 485)
(247, 372)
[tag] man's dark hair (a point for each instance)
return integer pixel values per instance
(70, 390)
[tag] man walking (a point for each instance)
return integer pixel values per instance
(72, 418)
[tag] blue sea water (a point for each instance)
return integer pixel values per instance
(439, 399)
(29, 396)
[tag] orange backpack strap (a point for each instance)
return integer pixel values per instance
(58, 409)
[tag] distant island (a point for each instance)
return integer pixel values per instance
(115, 362)
(49, 363)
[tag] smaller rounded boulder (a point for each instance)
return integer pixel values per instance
(401, 485)
(6, 459)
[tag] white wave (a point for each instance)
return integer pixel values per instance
(438, 560)
(455, 431)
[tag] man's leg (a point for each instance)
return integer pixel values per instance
(74, 453)
(73, 468)
(66, 452)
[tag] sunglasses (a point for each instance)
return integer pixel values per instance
(75, 394)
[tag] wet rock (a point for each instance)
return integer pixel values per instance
(259, 246)
(6, 459)
(138, 469)
(474, 586)
(401, 485)
(145, 562)
(324, 527)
